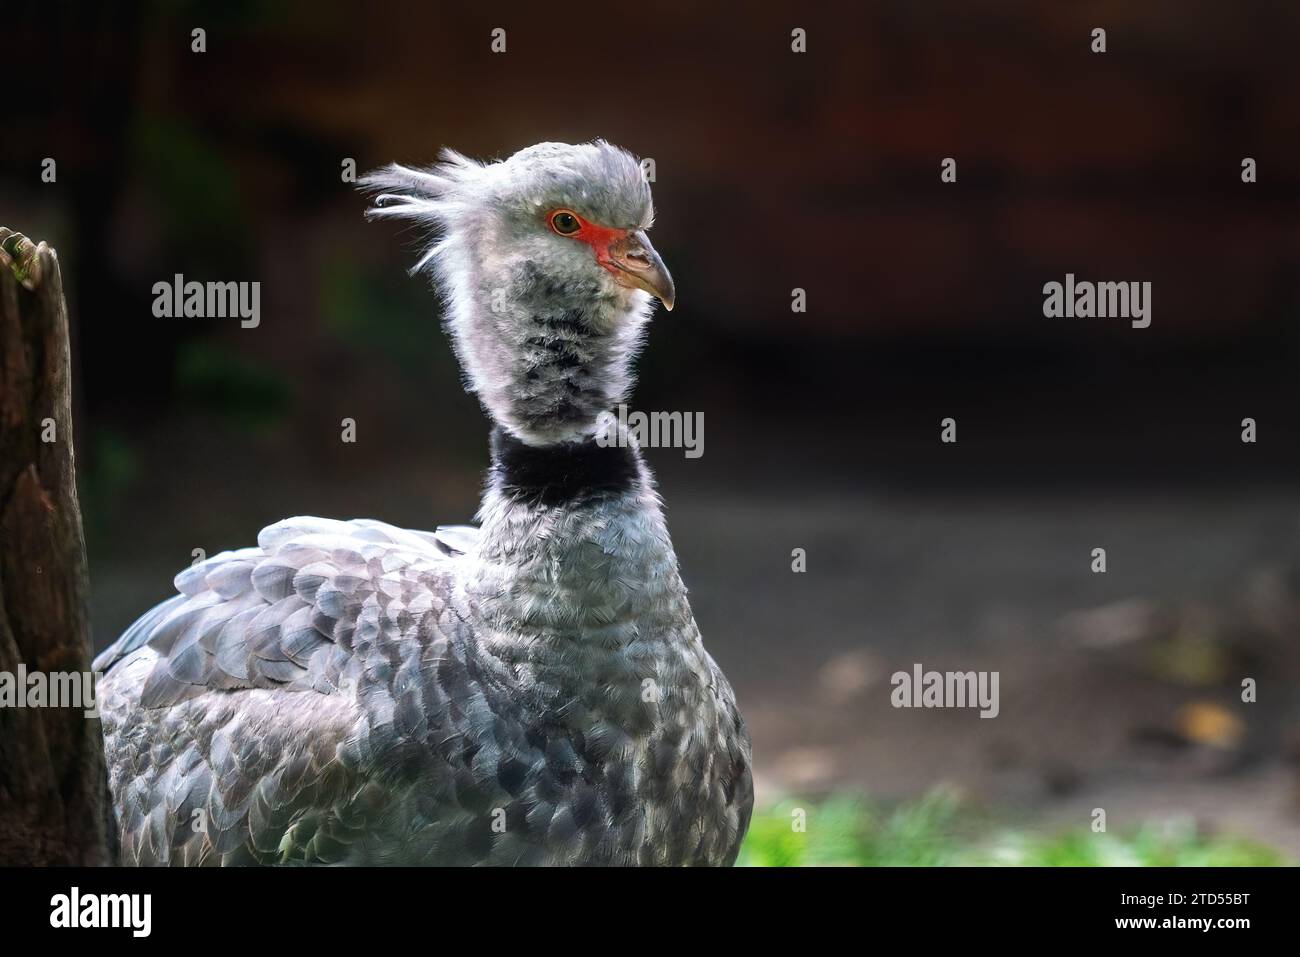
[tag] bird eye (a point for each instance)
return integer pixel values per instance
(564, 222)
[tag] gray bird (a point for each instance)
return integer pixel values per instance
(530, 691)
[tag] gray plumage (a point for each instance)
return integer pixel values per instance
(532, 691)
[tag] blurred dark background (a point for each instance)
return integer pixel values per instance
(774, 170)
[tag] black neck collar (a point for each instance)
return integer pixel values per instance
(565, 473)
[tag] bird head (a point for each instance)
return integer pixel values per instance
(547, 272)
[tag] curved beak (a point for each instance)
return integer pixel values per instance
(639, 266)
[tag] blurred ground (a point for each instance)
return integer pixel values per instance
(1118, 691)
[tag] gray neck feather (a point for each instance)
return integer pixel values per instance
(547, 357)
(585, 598)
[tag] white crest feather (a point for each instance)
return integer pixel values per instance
(430, 195)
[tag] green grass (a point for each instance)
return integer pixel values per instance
(938, 830)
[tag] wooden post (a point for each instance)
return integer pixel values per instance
(53, 789)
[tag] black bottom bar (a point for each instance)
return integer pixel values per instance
(239, 907)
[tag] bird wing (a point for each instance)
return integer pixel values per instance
(228, 736)
(286, 614)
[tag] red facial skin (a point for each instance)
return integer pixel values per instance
(599, 238)
(626, 254)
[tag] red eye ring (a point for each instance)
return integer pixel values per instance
(565, 222)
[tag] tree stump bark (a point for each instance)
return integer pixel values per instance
(53, 788)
